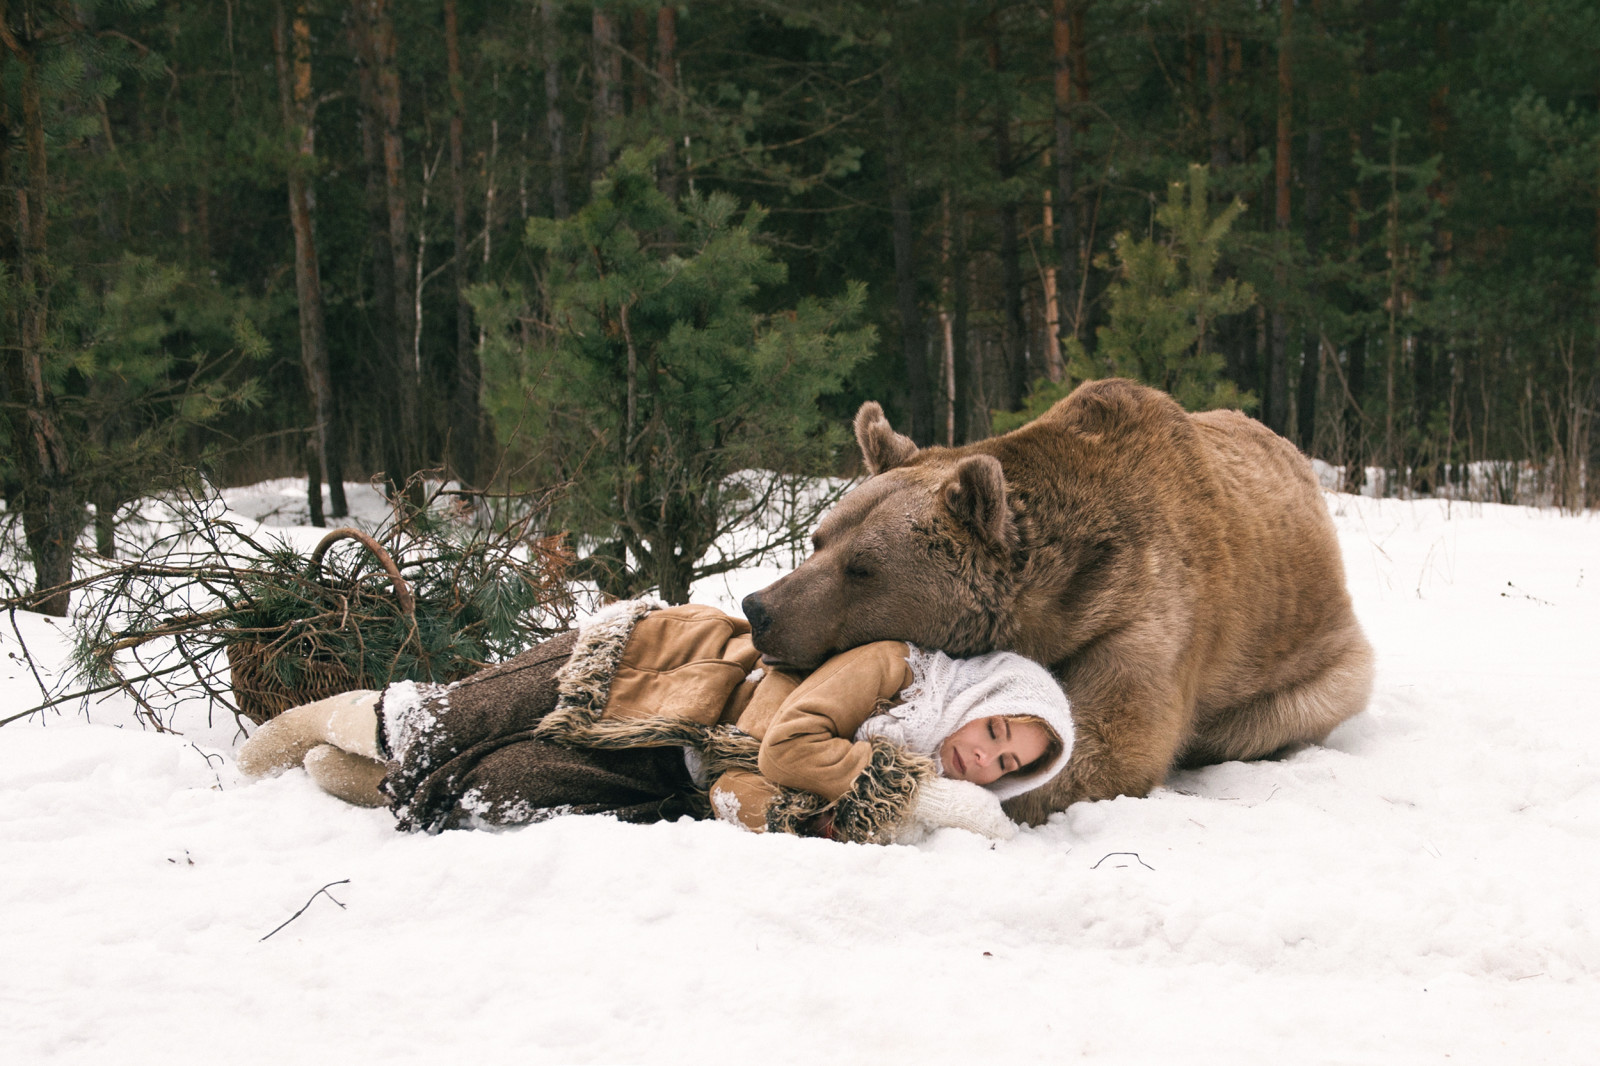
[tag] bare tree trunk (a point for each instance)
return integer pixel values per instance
(380, 306)
(971, 392)
(1082, 219)
(971, 410)
(1354, 416)
(1355, 460)
(1214, 112)
(1053, 368)
(1391, 450)
(294, 92)
(488, 233)
(667, 89)
(1306, 402)
(313, 464)
(1066, 177)
(1591, 490)
(607, 73)
(1278, 356)
(465, 417)
(947, 365)
(639, 53)
(105, 512)
(374, 29)
(386, 358)
(51, 513)
(913, 340)
(1013, 338)
(387, 82)
(555, 123)
(1311, 222)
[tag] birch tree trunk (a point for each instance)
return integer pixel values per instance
(1053, 368)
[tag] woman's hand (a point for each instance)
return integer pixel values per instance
(943, 803)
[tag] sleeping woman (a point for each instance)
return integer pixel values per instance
(648, 713)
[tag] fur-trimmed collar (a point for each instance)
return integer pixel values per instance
(584, 684)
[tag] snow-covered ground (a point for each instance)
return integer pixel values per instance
(1423, 889)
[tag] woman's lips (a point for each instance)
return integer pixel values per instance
(961, 764)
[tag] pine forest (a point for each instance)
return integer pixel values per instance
(613, 258)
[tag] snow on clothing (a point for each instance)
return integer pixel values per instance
(598, 720)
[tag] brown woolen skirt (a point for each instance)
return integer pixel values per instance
(462, 755)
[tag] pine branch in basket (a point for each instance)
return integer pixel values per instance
(209, 612)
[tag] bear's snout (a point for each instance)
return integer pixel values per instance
(760, 621)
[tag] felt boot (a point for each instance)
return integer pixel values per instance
(348, 721)
(352, 778)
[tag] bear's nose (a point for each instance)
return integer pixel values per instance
(760, 621)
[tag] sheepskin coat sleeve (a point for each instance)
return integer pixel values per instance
(813, 775)
(811, 742)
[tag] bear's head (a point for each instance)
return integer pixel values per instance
(919, 552)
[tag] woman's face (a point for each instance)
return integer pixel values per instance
(986, 749)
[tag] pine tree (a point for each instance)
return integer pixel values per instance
(1400, 286)
(660, 379)
(107, 352)
(1165, 302)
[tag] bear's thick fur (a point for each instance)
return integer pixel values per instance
(1179, 573)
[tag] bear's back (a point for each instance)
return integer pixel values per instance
(1211, 517)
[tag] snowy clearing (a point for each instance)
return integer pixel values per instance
(1422, 889)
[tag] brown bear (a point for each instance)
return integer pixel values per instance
(1179, 572)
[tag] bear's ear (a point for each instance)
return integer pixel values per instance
(976, 495)
(881, 447)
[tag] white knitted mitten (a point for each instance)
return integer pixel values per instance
(944, 803)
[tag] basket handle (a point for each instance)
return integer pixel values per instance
(402, 591)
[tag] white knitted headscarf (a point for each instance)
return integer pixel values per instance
(945, 694)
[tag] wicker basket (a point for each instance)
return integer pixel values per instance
(257, 690)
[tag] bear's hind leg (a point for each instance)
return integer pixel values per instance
(1302, 713)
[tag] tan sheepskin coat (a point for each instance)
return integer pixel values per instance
(779, 749)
